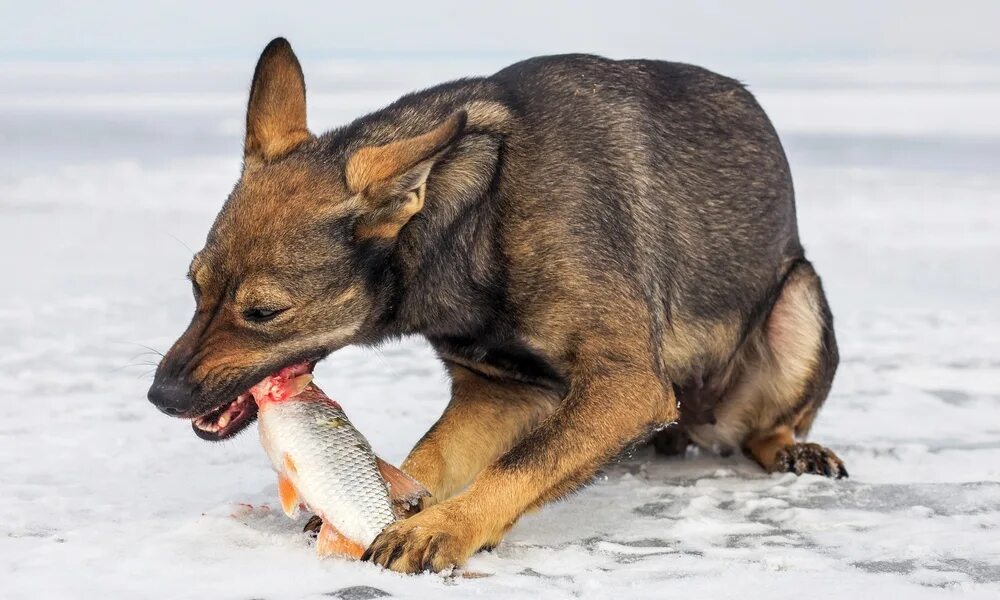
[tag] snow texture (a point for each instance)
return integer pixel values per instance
(111, 175)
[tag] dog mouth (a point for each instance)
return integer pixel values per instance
(227, 420)
(223, 422)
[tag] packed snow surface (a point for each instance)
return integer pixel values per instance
(111, 175)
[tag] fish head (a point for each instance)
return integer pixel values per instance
(287, 384)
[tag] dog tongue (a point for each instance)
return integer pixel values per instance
(283, 385)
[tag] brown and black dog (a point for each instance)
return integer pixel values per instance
(595, 248)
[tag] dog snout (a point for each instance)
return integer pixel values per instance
(170, 397)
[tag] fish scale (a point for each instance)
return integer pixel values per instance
(334, 469)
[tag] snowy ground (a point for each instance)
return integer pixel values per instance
(111, 174)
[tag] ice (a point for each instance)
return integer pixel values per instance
(111, 177)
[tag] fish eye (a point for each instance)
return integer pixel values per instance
(262, 315)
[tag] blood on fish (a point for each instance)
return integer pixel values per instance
(323, 461)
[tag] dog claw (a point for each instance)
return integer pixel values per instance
(809, 458)
(433, 540)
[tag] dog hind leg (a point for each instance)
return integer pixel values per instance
(800, 359)
(783, 377)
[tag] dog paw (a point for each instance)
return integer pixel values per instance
(435, 539)
(809, 458)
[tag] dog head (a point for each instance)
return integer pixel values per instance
(293, 267)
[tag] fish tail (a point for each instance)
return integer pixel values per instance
(331, 542)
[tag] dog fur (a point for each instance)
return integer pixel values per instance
(596, 249)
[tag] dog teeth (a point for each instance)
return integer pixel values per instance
(209, 427)
(222, 421)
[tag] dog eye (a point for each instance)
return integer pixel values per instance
(261, 315)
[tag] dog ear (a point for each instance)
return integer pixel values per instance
(276, 112)
(391, 180)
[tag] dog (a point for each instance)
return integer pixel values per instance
(596, 249)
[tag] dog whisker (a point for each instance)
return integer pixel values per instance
(180, 241)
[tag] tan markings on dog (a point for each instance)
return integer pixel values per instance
(569, 302)
(196, 271)
(389, 225)
(331, 338)
(772, 370)
(215, 365)
(347, 295)
(692, 344)
(590, 426)
(273, 207)
(794, 330)
(764, 449)
(484, 419)
(372, 165)
(224, 353)
(577, 438)
(276, 113)
(524, 214)
(804, 419)
(468, 173)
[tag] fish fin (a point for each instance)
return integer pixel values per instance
(288, 495)
(404, 491)
(331, 542)
(297, 385)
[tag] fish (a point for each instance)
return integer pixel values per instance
(325, 463)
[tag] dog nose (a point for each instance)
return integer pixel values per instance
(169, 397)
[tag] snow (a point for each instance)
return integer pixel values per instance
(112, 174)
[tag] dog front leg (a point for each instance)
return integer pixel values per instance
(484, 419)
(608, 406)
